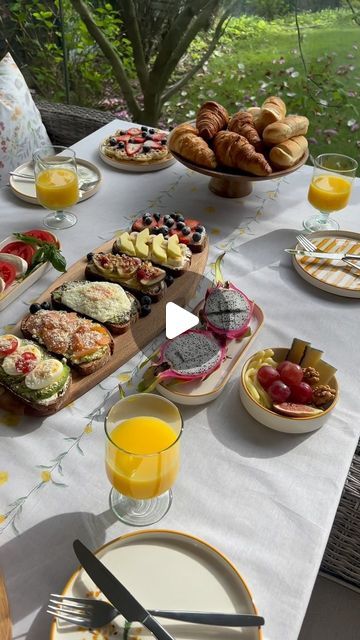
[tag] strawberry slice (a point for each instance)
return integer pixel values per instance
(132, 149)
(123, 138)
(152, 144)
(159, 136)
(134, 132)
(191, 223)
(139, 140)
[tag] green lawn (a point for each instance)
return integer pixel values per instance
(256, 59)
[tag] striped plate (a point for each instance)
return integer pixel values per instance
(331, 275)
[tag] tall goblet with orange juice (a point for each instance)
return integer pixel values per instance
(142, 457)
(57, 185)
(330, 189)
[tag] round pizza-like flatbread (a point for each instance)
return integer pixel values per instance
(137, 144)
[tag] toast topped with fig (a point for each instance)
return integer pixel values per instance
(32, 376)
(105, 302)
(137, 276)
(85, 344)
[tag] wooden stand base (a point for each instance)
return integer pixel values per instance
(229, 188)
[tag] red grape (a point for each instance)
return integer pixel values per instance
(278, 391)
(267, 375)
(290, 373)
(301, 393)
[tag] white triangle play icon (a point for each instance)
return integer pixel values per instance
(178, 320)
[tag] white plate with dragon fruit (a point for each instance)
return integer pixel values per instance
(137, 149)
(194, 367)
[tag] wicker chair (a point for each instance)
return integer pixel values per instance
(66, 124)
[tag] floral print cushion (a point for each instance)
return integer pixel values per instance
(21, 127)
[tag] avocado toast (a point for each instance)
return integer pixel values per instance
(32, 376)
(105, 302)
(85, 344)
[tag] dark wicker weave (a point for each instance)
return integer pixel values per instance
(66, 124)
(342, 554)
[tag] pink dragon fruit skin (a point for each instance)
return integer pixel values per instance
(192, 341)
(217, 295)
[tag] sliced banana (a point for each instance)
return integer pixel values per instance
(45, 373)
(20, 264)
(9, 363)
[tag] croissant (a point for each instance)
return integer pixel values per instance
(273, 110)
(185, 141)
(233, 150)
(243, 123)
(211, 118)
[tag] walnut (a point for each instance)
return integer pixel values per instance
(311, 375)
(323, 394)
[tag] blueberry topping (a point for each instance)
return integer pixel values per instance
(151, 131)
(179, 217)
(89, 256)
(164, 230)
(131, 140)
(170, 223)
(144, 128)
(145, 300)
(180, 225)
(168, 217)
(112, 142)
(34, 307)
(45, 305)
(155, 231)
(199, 228)
(145, 310)
(196, 237)
(186, 231)
(163, 141)
(122, 133)
(169, 280)
(147, 220)
(146, 149)
(156, 216)
(148, 137)
(121, 145)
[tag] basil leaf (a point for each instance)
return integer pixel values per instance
(46, 252)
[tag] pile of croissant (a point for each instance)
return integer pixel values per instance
(259, 141)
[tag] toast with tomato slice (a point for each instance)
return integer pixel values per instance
(85, 344)
(32, 380)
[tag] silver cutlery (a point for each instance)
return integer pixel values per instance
(307, 244)
(117, 593)
(83, 186)
(94, 614)
(323, 254)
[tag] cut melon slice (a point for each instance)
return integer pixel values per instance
(311, 357)
(158, 250)
(141, 246)
(297, 350)
(326, 372)
(173, 249)
(126, 244)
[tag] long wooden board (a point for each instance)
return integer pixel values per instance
(141, 332)
(5, 621)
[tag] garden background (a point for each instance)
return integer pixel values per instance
(241, 51)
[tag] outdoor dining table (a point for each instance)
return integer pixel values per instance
(266, 499)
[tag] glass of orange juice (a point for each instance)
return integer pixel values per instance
(57, 185)
(330, 189)
(143, 434)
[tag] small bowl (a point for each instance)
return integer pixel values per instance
(275, 420)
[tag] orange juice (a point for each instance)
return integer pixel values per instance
(142, 457)
(329, 193)
(57, 188)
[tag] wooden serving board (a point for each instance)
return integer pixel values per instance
(141, 332)
(5, 621)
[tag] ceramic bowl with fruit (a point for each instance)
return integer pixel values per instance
(290, 390)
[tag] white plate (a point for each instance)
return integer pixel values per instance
(136, 167)
(196, 393)
(17, 288)
(25, 189)
(331, 275)
(168, 570)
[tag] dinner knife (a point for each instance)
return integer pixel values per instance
(133, 611)
(323, 254)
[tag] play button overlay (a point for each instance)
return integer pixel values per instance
(178, 320)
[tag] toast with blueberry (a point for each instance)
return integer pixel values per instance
(188, 230)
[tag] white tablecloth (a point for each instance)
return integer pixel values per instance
(266, 499)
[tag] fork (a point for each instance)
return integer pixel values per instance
(93, 614)
(309, 246)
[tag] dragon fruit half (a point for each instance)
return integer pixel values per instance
(227, 311)
(193, 355)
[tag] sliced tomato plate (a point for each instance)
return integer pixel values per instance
(7, 273)
(43, 235)
(21, 249)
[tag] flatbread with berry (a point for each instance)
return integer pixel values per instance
(141, 145)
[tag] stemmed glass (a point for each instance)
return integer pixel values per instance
(142, 457)
(330, 189)
(57, 185)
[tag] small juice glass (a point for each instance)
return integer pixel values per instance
(57, 185)
(142, 457)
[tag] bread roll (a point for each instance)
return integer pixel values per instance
(273, 110)
(287, 128)
(288, 153)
